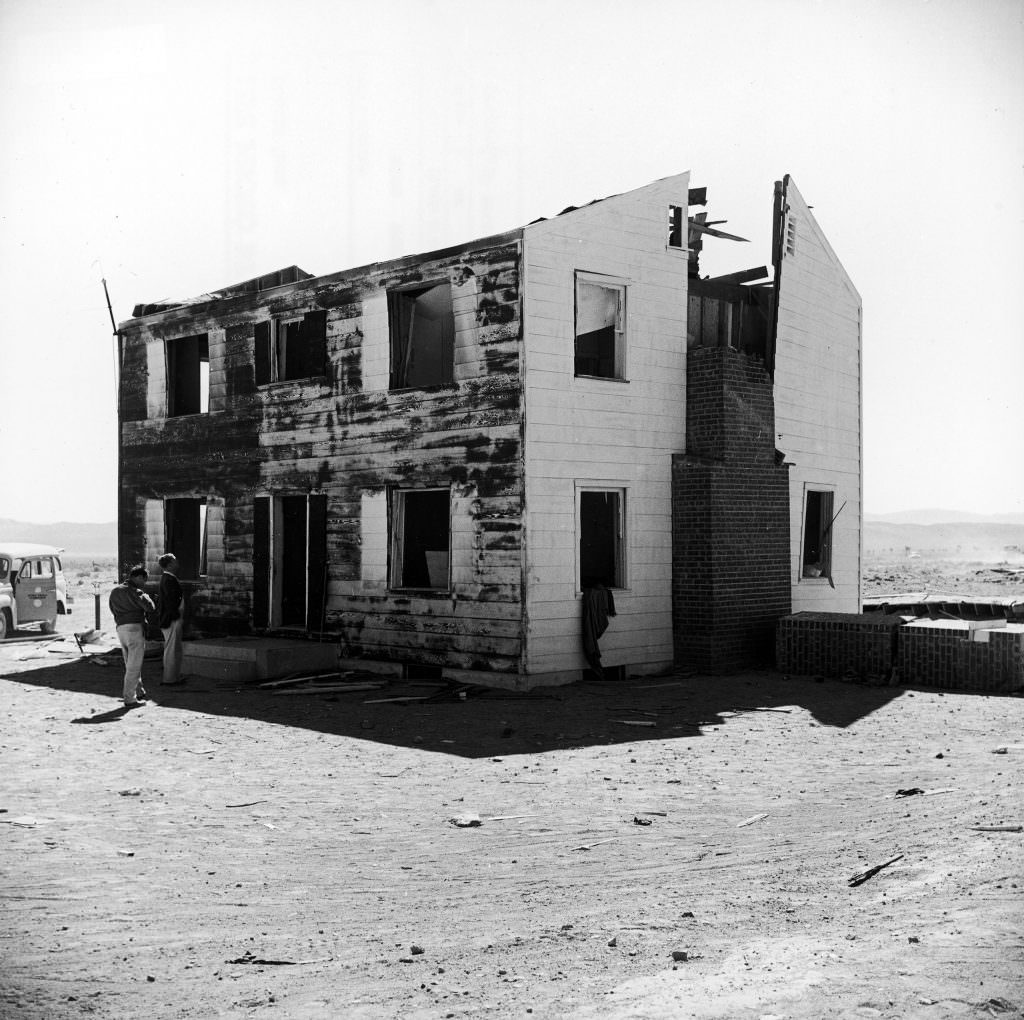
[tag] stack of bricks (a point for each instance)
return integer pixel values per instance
(952, 654)
(730, 517)
(838, 644)
(962, 655)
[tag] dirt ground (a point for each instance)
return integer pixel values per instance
(228, 852)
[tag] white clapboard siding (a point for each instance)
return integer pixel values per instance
(608, 433)
(818, 403)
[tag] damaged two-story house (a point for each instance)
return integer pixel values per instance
(427, 461)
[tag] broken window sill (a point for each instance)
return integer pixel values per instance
(603, 378)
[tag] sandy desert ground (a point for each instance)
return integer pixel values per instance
(679, 846)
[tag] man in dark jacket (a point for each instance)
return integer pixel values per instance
(171, 621)
(129, 605)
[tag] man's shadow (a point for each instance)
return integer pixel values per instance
(113, 715)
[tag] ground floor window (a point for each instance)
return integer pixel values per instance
(185, 535)
(421, 531)
(602, 537)
(816, 558)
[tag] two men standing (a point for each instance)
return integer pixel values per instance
(129, 605)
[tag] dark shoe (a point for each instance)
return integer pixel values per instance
(134, 703)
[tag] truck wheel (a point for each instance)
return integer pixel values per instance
(48, 626)
(6, 625)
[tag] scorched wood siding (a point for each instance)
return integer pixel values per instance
(347, 436)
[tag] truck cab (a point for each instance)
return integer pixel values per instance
(33, 588)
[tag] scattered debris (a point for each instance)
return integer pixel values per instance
(863, 876)
(505, 818)
(997, 828)
(467, 821)
(911, 792)
(613, 942)
(387, 701)
(997, 1005)
(330, 689)
(590, 846)
(133, 792)
(634, 722)
(248, 803)
(916, 790)
(1004, 748)
(751, 820)
(125, 853)
(680, 955)
(416, 950)
(249, 957)
(28, 821)
(642, 821)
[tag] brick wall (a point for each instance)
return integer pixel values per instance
(832, 644)
(730, 517)
(952, 654)
(956, 655)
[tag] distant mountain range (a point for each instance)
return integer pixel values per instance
(75, 539)
(952, 531)
(932, 516)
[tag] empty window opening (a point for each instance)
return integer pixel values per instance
(600, 328)
(676, 226)
(422, 328)
(817, 544)
(602, 538)
(185, 535)
(291, 348)
(188, 376)
(421, 538)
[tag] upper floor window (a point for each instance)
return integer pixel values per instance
(600, 327)
(188, 376)
(291, 347)
(422, 328)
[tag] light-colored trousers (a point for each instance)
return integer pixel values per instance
(172, 651)
(133, 648)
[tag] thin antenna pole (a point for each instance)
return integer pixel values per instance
(113, 325)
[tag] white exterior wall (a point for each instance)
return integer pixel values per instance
(818, 402)
(602, 432)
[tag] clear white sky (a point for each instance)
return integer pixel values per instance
(179, 147)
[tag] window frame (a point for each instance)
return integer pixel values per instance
(173, 351)
(395, 295)
(276, 358)
(202, 549)
(397, 501)
(622, 557)
(825, 530)
(621, 327)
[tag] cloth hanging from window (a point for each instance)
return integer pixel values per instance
(598, 606)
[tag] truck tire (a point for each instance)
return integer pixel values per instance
(48, 626)
(6, 625)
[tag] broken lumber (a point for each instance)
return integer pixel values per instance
(862, 876)
(329, 689)
(997, 828)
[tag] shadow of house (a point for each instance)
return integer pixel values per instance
(491, 722)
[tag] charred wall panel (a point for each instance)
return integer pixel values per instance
(329, 436)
